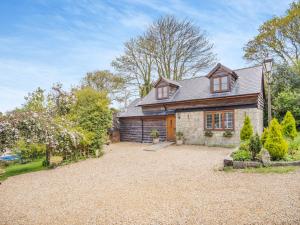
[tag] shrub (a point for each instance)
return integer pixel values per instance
(289, 126)
(247, 129)
(255, 145)
(29, 151)
(264, 135)
(208, 133)
(154, 133)
(179, 135)
(241, 155)
(244, 146)
(275, 143)
(55, 161)
(227, 133)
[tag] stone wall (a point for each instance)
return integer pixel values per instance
(192, 126)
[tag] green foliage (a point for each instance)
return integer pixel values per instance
(289, 126)
(208, 133)
(279, 169)
(278, 38)
(255, 145)
(241, 155)
(29, 151)
(275, 143)
(179, 135)
(35, 101)
(247, 129)
(91, 112)
(288, 101)
(264, 135)
(228, 133)
(154, 133)
(244, 146)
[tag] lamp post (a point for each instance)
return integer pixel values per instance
(267, 72)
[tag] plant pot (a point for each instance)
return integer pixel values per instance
(179, 142)
(155, 140)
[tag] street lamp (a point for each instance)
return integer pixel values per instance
(267, 72)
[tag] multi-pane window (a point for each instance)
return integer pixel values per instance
(219, 120)
(228, 120)
(209, 120)
(220, 84)
(162, 92)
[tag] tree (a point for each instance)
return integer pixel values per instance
(255, 145)
(289, 126)
(287, 101)
(170, 48)
(264, 135)
(137, 64)
(247, 129)
(275, 143)
(92, 114)
(278, 38)
(181, 49)
(105, 81)
(35, 101)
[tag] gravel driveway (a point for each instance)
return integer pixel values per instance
(176, 185)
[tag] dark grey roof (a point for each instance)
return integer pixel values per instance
(249, 82)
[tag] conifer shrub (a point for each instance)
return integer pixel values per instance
(247, 130)
(275, 143)
(289, 125)
(264, 135)
(255, 145)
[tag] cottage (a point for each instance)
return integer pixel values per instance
(217, 102)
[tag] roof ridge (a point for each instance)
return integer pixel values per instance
(248, 67)
(192, 78)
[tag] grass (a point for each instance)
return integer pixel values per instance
(279, 169)
(16, 169)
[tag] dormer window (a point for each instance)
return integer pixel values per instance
(162, 92)
(220, 84)
(221, 79)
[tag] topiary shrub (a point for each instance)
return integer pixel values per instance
(154, 133)
(255, 145)
(264, 135)
(289, 126)
(247, 130)
(275, 143)
(244, 146)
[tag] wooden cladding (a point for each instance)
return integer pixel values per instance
(138, 130)
(219, 120)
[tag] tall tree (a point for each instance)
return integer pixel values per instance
(105, 81)
(169, 48)
(181, 49)
(137, 64)
(278, 38)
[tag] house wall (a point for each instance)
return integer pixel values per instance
(192, 126)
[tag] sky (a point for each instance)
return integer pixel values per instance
(44, 42)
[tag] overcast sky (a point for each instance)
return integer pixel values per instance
(44, 42)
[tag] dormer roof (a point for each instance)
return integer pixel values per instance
(172, 82)
(221, 68)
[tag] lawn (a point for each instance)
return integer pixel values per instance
(279, 169)
(16, 169)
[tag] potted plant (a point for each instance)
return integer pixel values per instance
(208, 133)
(179, 138)
(228, 134)
(155, 136)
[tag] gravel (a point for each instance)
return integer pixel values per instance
(176, 185)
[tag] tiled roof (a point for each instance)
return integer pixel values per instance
(249, 82)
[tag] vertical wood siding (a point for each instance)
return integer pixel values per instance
(135, 130)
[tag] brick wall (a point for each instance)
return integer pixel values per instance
(192, 126)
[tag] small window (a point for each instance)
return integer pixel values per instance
(228, 120)
(224, 83)
(216, 84)
(218, 120)
(162, 92)
(208, 121)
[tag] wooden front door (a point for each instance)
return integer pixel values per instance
(171, 127)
